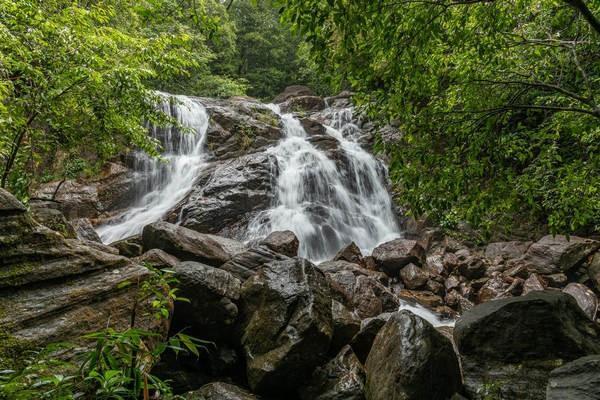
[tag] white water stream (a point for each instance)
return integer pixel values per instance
(169, 180)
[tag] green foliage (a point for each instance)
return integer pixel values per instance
(117, 364)
(497, 102)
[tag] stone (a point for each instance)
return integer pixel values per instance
(457, 301)
(413, 277)
(286, 325)
(472, 267)
(212, 293)
(533, 283)
(158, 259)
(130, 247)
(362, 342)
(593, 269)
(51, 218)
(243, 265)
(343, 378)
(85, 230)
(220, 391)
(494, 288)
(435, 287)
(312, 127)
(410, 359)
(585, 297)
(303, 103)
(450, 261)
(452, 282)
(189, 245)
(506, 250)
(351, 254)
(577, 380)
(293, 91)
(346, 324)
(556, 280)
(284, 242)
(394, 255)
(555, 254)
(9, 205)
(435, 265)
(511, 345)
(426, 299)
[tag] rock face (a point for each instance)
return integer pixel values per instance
(394, 255)
(57, 289)
(212, 294)
(343, 378)
(509, 346)
(220, 391)
(556, 254)
(285, 243)
(577, 380)
(411, 360)
(286, 323)
(189, 245)
(362, 342)
(293, 91)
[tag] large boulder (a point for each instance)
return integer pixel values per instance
(9, 205)
(409, 360)
(554, 254)
(220, 391)
(508, 347)
(343, 378)
(85, 230)
(303, 103)
(506, 250)
(212, 293)
(284, 242)
(394, 255)
(362, 342)
(286, 324)
(189, 245)
(243, 265)
(585, 297)
(577, 380)
(293, 91)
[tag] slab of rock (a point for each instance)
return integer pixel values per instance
(585, 297)
(303, 103)
(351, 254)
(220, 391)
(506, 250)
(513, 344)
(362, 342)
(158, 259)
(394, 255)
(343, 378)
(130, 247)
(286, 323)
(212, 294)
(555, 254)
(51, 218)
(85, 230)
(243, 265)
(284, 242)
(413, 277)
(577, 380)
(293, 91)
(346, 324)
(410, 359)
(9, 205)
(189, 245)
(533, 284)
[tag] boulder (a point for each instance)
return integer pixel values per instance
(293, 91)
(410, 359)
(555, 254)
(351, 254)
(312, 127)
(472, 267)
(577, 380)
(9, 205)
(284, 242)
(511, 345)
(394, 255)
(506, 250)
(243, 265)
(158, 259)
(189, 245)
(220, 391)
(593, 269)
(85, 230)
(343, 378)
(533, 284)
(413, 277)
(52, 218)
(362, 342)
(130, 247)
(212, 293)
(286, 324)
(586, 299)
(346, 324)
(494, 288)
(303, 103)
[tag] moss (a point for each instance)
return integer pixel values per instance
(12, 351)
(15, 275)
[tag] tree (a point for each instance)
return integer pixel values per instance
(497, 101)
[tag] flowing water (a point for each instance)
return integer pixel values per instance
(326, 206)
(165, 182)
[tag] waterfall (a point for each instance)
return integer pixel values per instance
(327, 207)
(165, 181)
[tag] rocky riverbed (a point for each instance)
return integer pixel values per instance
(419, 316)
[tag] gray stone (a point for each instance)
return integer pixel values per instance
(585, 297)
(554, 254)
(577, 380)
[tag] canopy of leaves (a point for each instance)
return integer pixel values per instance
(496, 101)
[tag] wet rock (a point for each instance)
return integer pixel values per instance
(293, 91)
(452, 282)
(189, 245)
(220, 391)
(351, 254)
(413, 276)
(450, 261)
(586, 299)
(212, 294)
(472, 267)
(394, 255)
(130, 247)
(556, 280)
(243, 265)
(157, 258)
(457, 301)
(9, 205)
(506, 250)
(303, 103)
(346, 324)
(362, 342)
(284, 242)
(312, 127)
(593, 269)
(84, 230)
(533, 284)
(435, 287)
(424, 298)
(343, 378)
(434, 264)
(511, 345)
(577, 380)
(286, 323)
(51, 218)
(494, 288)
(555, 254)
(410, 359)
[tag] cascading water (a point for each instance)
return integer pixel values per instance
(327, 207)
(169, 180)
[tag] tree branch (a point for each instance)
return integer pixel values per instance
(580, 6)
